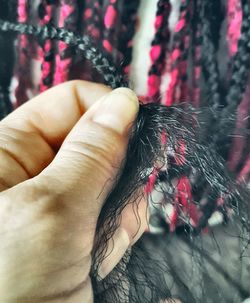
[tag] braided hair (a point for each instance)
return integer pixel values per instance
(68, 20)
(23, 69)
(178, 54)
(159, 48)
(8, 12)
(128, 28)
(196, 183)
(46, 10)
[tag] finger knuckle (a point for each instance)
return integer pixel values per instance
(99, 148)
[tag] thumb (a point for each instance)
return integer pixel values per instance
(85, 168)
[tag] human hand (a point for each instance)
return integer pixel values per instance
(57, 152)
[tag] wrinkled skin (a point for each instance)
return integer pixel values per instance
(60, 154)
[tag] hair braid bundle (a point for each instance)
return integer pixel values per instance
(8, 11)
(111, 17)
(128, 28)
(83, 44)
(46, 12)
(234, 20)
(221, 142)
(23, 72)
(178, 53)
(159, 49)
(209, 52)
(68, 20)
(196, 53)
(238, 83)
(93, 19)
(176, 150)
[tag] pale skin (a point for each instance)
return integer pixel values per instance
(57, 152)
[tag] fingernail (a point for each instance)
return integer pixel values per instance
(117, 247)
(117, 110)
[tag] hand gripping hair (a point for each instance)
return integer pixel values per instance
(179, 153)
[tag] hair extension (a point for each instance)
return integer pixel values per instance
(197, 156)
(240, 71)
(91, 23)
(128, 26)
(176, 55)
(182, 89)
(8, 12)
(92, 19)
(111, 15)
(141, 277)
(210, 34)
(179, 86)
(227, 115)
(210, 17)
(240, 136)
(158, 49)
(68, 20)
(46, 14)
(234, 19)
(24, 63)
(196, 53)
(83, 43)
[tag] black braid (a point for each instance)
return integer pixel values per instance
(49, 55)
(238, 83)
(128, 20)
(210, 21)
(8, 10)
(66, 52)
(83, 43)
(179, 43)
(185, 52)
(209, 49)
(221, 133)
(196, 42)
(161, 38)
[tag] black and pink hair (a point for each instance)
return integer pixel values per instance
(190, 141)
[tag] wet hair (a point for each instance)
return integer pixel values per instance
(179, 151)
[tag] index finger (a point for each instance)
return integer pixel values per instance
(54, 113)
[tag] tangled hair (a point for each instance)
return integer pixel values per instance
(177, 155)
